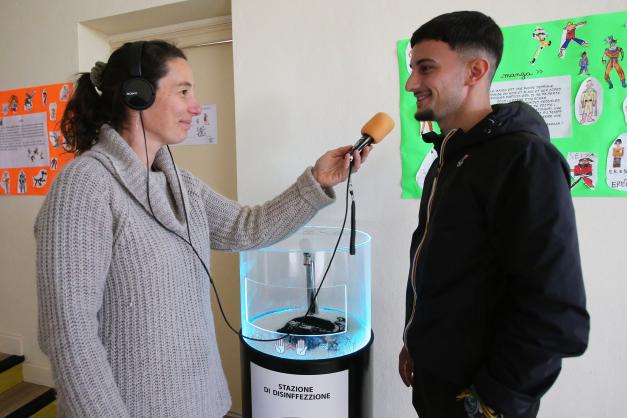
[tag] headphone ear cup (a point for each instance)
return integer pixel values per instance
(138, 93)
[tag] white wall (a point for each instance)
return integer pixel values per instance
(308, 74)
(40, 46)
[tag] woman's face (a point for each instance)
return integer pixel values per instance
(170, 117)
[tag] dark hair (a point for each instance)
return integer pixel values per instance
(88, 110)
(462, 31)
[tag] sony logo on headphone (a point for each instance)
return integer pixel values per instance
(131, 93)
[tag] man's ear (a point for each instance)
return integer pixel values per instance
(477, 70)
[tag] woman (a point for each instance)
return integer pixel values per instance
(124, 304)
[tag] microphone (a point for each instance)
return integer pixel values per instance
(374, 131)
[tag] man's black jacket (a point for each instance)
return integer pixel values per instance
(495, 296)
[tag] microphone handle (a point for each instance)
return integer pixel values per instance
(352, 243)
(363, 142)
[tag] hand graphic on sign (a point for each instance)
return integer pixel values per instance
(301, 347)
(279, 346)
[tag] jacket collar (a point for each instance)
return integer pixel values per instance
(126, 167)
(505, 119)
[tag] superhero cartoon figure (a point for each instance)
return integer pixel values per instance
(589, 103)
(610, 59)
(13, 103)
(569, 35)
(21, 182)
(28, 102)
(541, 36)
(618, 151)
(583, 63)
(583, 171)
(5, 182)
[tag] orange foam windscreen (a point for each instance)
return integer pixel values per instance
(378, 127)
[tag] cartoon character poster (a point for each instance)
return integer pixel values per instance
(541, 36)
(589, 102)
(572, 71)
(583, 169)
(5, 180)
(616, 164)
(610, 59)
(32, 147)
(569, 34)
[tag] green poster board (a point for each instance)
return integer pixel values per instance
(555, 76)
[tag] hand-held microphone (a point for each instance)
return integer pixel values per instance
(374, 131)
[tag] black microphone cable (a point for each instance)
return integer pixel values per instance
(189, 240)
(339, 238)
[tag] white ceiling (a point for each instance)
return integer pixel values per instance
(154, 17)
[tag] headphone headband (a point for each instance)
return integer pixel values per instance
(135, 59)
(137, 92)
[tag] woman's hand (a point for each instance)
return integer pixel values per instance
(332, 167)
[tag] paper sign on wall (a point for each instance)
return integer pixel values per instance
(550, 96)
(31, 144)
(204, 129)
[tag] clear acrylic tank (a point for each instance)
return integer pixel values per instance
(278, 284)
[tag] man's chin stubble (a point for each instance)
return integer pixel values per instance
(425, 115)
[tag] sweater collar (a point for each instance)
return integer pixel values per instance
(126, 167)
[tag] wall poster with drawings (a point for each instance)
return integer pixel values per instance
(31, 144)
(572, 71)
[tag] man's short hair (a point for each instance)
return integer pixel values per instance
(463, 31)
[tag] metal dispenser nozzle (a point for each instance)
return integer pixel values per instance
(310, 268)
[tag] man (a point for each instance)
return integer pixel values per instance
(495, 296)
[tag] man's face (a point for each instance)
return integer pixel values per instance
(437, 80)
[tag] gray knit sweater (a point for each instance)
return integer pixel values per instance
(124, 305)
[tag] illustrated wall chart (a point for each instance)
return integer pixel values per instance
(31, 144)
(572, 71)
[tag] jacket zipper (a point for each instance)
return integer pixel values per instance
(424, 235)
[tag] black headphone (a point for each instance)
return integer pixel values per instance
(137, 92)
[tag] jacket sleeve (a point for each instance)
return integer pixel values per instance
(74, 245)
(235, 227)
(543, 316)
